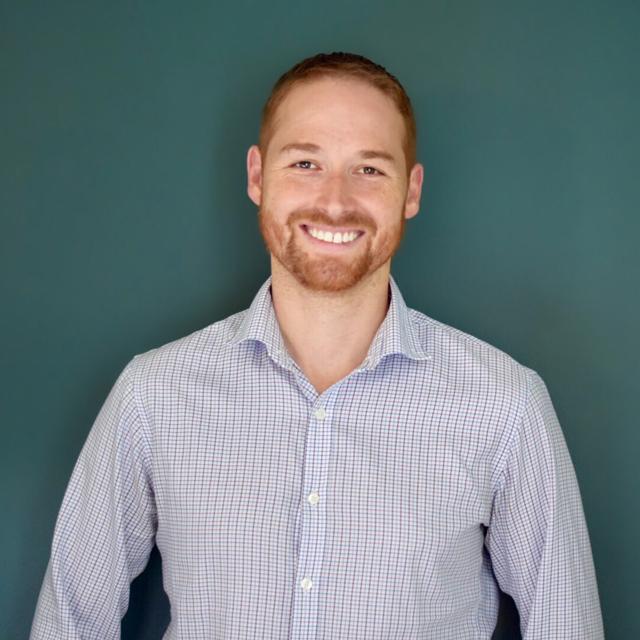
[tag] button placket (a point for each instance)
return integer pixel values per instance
(312, 531)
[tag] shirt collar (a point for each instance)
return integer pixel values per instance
(396, 334)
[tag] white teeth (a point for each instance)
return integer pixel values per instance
(337, 238)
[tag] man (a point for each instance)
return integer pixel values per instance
(328, 463)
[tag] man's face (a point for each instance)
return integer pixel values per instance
(335, 163)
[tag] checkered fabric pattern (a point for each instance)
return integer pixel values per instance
(392, 506)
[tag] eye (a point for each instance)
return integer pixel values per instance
(307, 164)
(371, 171)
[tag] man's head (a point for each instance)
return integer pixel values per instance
(336, 152)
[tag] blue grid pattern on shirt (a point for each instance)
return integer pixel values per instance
(389, 507)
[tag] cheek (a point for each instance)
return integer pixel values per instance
(381, 193)
(384, 206)
(286, 195)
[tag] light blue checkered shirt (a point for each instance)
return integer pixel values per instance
(389, 507)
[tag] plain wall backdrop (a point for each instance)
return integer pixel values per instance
(125, 223)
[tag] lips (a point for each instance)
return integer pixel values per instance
(331, 245)
(333, 230)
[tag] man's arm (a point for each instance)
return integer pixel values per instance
(105, 529)
(537, 537)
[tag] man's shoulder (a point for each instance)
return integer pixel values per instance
(203, 348)
(466, 358)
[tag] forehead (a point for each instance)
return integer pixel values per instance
(345, 110)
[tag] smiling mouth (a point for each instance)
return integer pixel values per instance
(338, 238)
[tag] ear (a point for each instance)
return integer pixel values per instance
(254, 174)
(414, 190)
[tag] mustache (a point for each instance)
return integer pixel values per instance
(350, 218)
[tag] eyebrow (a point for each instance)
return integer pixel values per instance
(365, 154)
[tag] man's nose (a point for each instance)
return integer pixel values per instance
(335, 194)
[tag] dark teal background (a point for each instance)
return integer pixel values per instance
(125, 223)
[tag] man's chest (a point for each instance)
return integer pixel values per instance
(351, 496)
(404, 474)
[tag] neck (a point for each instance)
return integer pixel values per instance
(329, 334)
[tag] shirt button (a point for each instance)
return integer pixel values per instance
(320, 413)
(313, 498)
(306, 584)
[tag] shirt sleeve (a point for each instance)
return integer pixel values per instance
(537, 536)
(105, 529)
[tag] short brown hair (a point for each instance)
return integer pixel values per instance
(341, 64)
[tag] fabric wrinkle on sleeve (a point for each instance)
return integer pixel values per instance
(538, 538)
(105, 528)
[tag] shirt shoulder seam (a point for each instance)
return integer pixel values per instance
(131, 369)
(516, 432)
